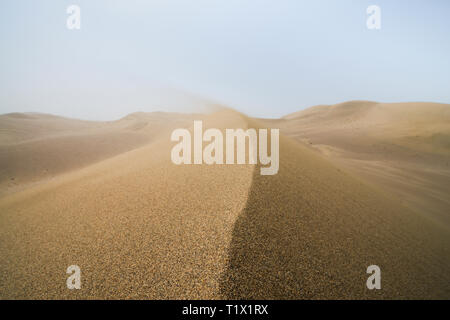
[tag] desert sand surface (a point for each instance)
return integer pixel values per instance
(142, 227)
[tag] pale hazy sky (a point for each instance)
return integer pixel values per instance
(265, 58)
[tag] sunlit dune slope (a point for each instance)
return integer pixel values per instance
(136, 224)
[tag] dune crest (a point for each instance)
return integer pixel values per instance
(138, 226)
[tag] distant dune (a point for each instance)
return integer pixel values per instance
(402, 147)
(139, 226)
(35, 147)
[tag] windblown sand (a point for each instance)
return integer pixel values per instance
(141, 227)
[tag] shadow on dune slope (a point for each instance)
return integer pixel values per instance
(311, 231)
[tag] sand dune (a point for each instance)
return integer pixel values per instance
(35, 147)
(311, 231)
(402, 147)
(141, 227)
(137, 225)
